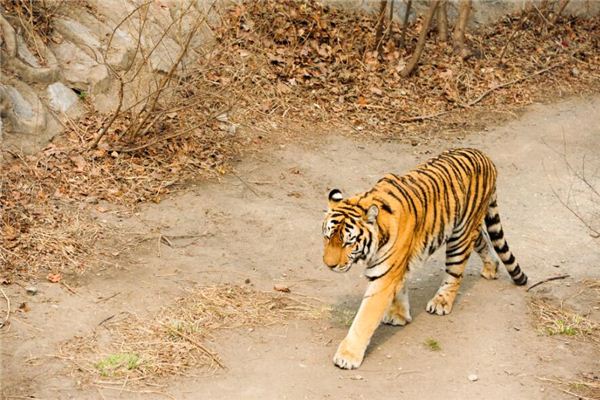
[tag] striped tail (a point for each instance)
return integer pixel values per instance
(494, 228)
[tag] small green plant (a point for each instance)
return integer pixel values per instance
(562, 327)
(433, 344)
(82, 95)
(115, 363)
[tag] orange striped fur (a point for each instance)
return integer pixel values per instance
(449, 200)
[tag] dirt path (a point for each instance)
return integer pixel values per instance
(264, 225)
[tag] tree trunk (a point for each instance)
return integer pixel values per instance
(442, 21)
(464, 9)
(380, 19)
(414, 60)
(405, 23)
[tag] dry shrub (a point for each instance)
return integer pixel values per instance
(135, 349)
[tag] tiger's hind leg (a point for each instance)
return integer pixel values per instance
(485, 249)
(398, 313)
(458, 250)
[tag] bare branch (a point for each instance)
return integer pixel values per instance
(414, 60)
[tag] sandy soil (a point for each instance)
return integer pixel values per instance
(264, 225)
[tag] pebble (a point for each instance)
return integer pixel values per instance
(473, 377)
(31, 290)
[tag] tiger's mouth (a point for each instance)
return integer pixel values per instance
(342, 268)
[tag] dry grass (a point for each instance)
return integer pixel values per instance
(557, 319)
(144, 350)
(587, 387)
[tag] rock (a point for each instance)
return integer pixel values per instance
(80, 70)
(61, 97)
(473, 377)
(25, 54)
(32, 290)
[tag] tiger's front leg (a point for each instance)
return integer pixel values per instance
(376, 301)
(398, 313)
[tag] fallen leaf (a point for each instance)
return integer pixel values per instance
(281, 288)
(54, 278)
(79, 162)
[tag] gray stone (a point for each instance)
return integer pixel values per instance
(61, 97)
(32, 290)
(20, 107)
(25, 54)
(79, 34)
(80, 70)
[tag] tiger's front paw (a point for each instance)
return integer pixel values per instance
(346, 358)
(439, 305)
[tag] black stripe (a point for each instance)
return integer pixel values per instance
(515, 271)
(490, 221)
(457, 276)
(379, 276)
(496, 235)
(510, 260)
(502, 250)
(451, 263)
(521, 281)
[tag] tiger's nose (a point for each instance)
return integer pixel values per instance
(330, 263)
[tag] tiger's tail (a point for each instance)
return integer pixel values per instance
(494, 229)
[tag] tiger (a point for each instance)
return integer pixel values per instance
(395, 226)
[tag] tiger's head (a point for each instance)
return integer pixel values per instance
(350, 233)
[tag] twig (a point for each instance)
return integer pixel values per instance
(69, 288)
(169, 137)
(426, 116)
(579, 397)
(106, 319)
(548, 280)
(3, 324)
(135, 391)
(509, 83)
(107, 298)
(246, 184)
(199, 346)
(414, 60)
(594, 233)
(516, 29)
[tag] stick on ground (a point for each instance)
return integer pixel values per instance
(3, 324)
(554, 278)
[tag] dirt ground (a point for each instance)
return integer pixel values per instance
(263, 224)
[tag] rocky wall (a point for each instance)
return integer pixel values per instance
(44, 83)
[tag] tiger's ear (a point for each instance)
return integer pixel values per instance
(372, 214)
(335, 196)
